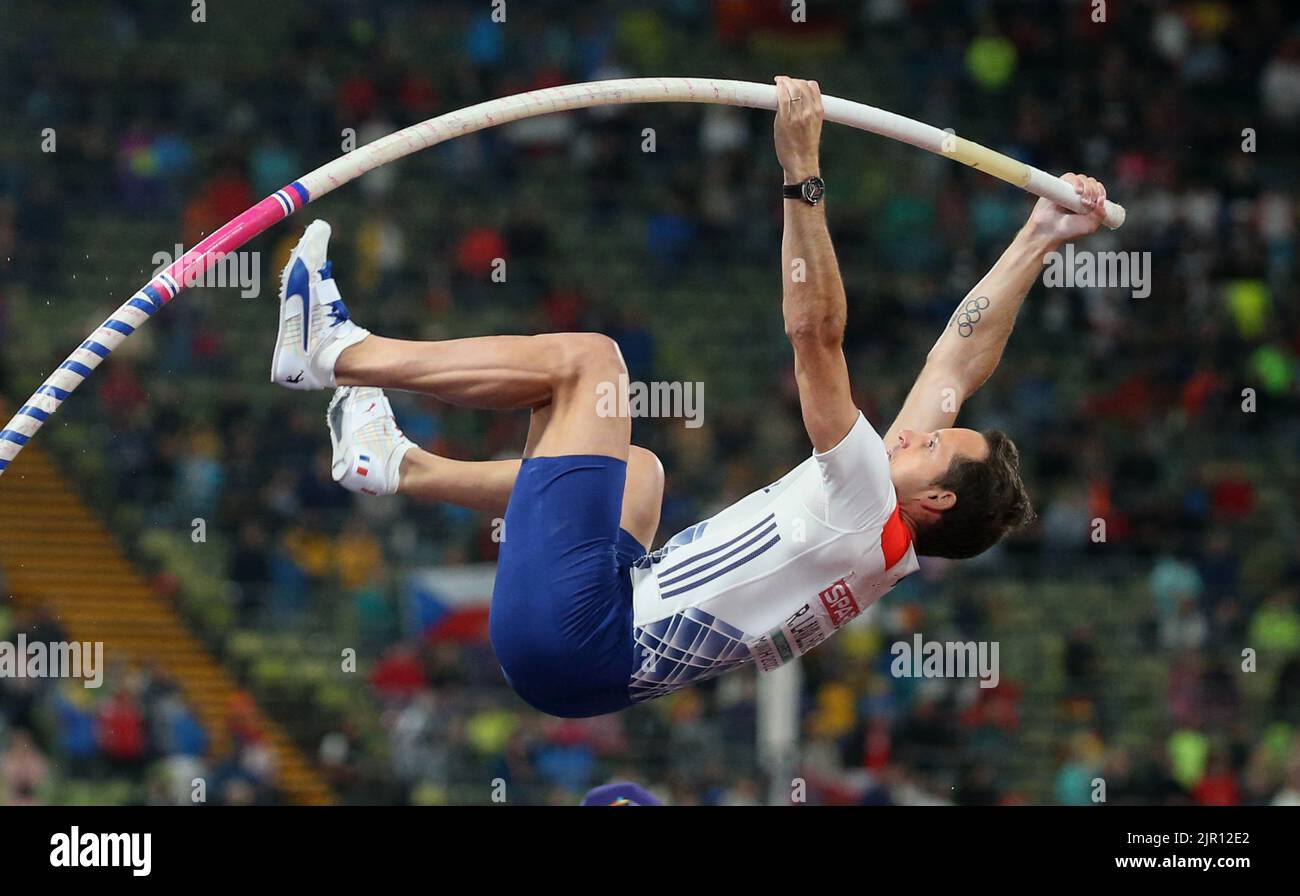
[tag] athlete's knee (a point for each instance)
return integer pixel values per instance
(645, 468)
(643, 495)
(588, 356)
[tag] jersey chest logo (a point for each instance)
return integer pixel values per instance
(840, 603)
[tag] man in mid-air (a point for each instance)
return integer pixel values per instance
(585, 619)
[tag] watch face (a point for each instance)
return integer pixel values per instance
(814, 188)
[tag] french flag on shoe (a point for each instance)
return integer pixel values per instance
(368, 447)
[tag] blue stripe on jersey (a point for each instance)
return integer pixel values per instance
(722, 558)
(663, 573)
(726, 569)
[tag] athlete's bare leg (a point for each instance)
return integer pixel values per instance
(486, 486)
(559, 375)
(561, 371)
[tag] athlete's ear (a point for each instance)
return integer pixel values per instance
(938, 500)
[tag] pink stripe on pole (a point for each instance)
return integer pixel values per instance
(221, 242)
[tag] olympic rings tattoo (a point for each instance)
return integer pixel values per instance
(968, 315)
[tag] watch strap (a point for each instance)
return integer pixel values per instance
(811, 190)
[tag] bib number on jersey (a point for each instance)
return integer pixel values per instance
(807, 627)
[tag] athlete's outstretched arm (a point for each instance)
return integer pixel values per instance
(971, 345)
(812, 296)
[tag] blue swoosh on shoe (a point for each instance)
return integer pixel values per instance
(299, 285)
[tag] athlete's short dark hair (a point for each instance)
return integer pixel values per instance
(991, 501)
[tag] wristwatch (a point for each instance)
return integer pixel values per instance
(810, 191)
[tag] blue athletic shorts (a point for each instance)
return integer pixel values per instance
(561, 618)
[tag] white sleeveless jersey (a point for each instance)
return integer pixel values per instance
(774, 574)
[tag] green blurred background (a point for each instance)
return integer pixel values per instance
(230, 655)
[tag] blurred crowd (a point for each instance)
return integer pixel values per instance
(1171, 420)
(131, 737)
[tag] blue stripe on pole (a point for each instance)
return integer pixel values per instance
(303, 195)
(91, 345)
(54, 391)
(142, 305)
(34, 412)
(154, 295)
(124, 329)
(75, 367)
(8, 435)
(3, 463)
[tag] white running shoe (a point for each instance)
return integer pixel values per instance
(315, 326)
(368, 446)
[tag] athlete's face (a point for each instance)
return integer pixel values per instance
(917, 460)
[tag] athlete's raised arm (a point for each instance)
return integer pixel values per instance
(971, 345)
(812, 295)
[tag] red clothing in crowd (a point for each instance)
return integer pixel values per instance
(398, 674)
(1217, 790)
(121, 728)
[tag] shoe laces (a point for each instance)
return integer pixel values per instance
(339, 312)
